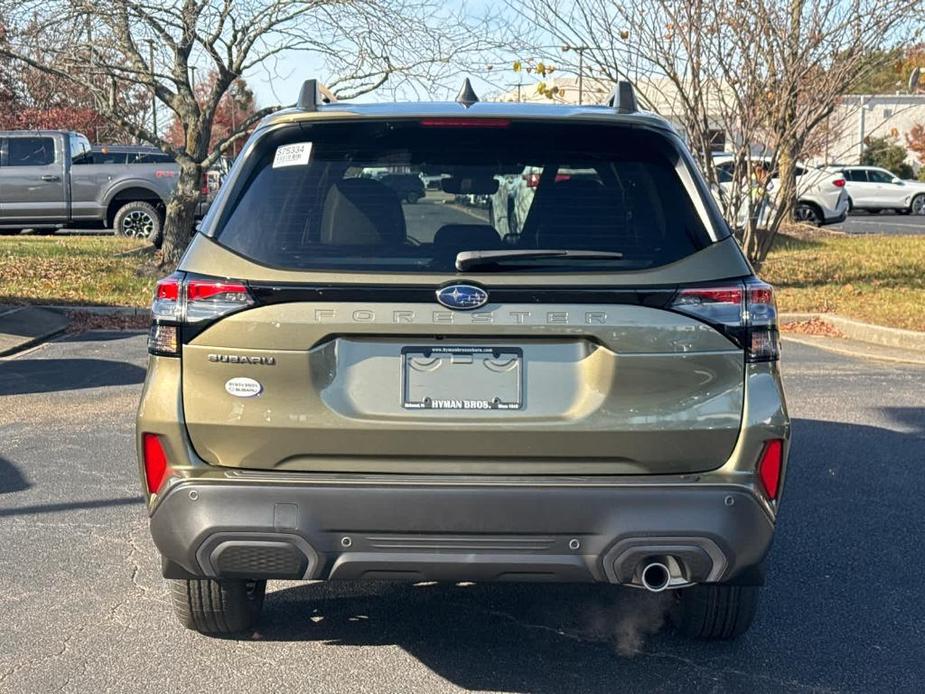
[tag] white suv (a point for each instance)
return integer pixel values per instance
(821, 194)
(873, 189)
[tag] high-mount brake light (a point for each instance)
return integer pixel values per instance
(465, 123)
(179, 300)
(745, 311)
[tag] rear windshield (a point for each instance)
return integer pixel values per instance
(409, 196)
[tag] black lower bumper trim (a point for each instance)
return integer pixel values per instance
(458, 532)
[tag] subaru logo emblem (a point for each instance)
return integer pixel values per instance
(462, 297)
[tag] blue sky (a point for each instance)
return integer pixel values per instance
(279, 82)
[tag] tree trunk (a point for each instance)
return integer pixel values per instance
(181, 214)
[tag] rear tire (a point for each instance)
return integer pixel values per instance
(716, 611)
(140, 220)
(809, 214)
(218, 608)
(917, 206)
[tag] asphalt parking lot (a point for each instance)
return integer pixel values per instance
(862, 223)
(85, 610)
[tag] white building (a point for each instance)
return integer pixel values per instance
(841, 139)
(871, 115)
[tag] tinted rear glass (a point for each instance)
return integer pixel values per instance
(410, 196)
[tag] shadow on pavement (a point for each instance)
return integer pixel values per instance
(103, 335)
(18, 377)
(841, 610)
(70, 506)
(11, 479)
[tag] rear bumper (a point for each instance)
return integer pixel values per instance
(838, 213)
(255, 528)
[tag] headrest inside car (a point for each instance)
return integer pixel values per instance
(470, 185)
(362, 212)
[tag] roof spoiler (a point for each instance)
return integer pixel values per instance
(624, 98)
(313, 94)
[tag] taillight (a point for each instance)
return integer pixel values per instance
(167, 297)
(724, 305)
(761, 322)
(533, 179)
(155, 462)
(839, 183)
(769, 467)
(180, 299)
(207, 299)
(204, 183)
(746, 312)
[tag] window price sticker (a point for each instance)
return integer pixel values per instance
(296, 154)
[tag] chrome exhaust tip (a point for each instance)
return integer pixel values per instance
(655, 577)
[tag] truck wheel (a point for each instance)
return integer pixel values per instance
(139, 220)
(716, 611)
(218, 608)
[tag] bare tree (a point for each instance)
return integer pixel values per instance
(768, 75)
(159, 44)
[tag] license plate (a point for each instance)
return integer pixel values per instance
(462, 378)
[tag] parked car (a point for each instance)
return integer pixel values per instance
(821, 195)
(409, 186)
(874, 189)
(50, 179)
(340, 388)
(509, 206)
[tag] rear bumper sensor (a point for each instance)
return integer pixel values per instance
(249, 529)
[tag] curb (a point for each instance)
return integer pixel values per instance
(41, 325)
(101, 310)
(856, 349)
(863, 332)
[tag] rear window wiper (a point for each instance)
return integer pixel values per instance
(467, 260)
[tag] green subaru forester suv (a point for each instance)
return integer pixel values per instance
(346, 385)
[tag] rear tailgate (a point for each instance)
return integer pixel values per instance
(581, 388)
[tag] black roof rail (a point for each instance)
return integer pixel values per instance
(624, 98)
(312, 95)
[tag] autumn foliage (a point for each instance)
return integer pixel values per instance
(235, 107)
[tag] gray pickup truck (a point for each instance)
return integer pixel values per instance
(50, 179)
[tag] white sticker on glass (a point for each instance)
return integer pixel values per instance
(296, 154)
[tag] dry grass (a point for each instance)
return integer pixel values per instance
(75, 270)
(877, 279)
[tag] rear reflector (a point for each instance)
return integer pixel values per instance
(155, 460)
(769, 467)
